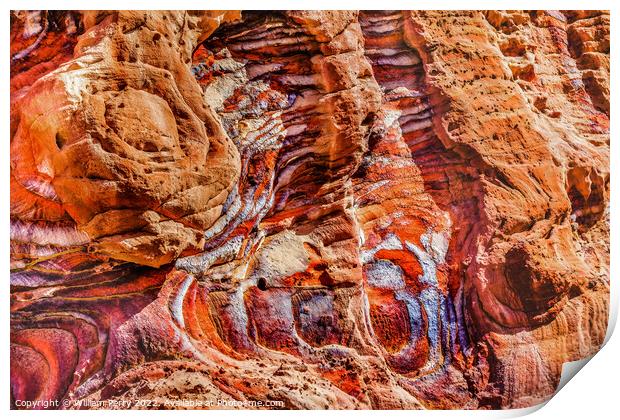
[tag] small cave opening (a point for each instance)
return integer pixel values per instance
(586, 192)
(261, 284)
(60, 141)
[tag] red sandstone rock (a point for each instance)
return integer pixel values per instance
(331, 209)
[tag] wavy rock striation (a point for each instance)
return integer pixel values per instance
(331, 209)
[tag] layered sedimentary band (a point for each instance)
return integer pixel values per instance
(330, 209)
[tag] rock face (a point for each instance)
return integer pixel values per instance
(328, 209)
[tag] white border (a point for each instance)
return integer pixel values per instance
(594, 394)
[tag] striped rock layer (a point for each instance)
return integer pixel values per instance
(331, 209)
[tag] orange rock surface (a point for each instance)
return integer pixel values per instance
(324, 209)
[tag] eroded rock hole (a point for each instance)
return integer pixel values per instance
(585, 190)
(60, 141)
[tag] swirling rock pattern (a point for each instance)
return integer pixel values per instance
(333, 209)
